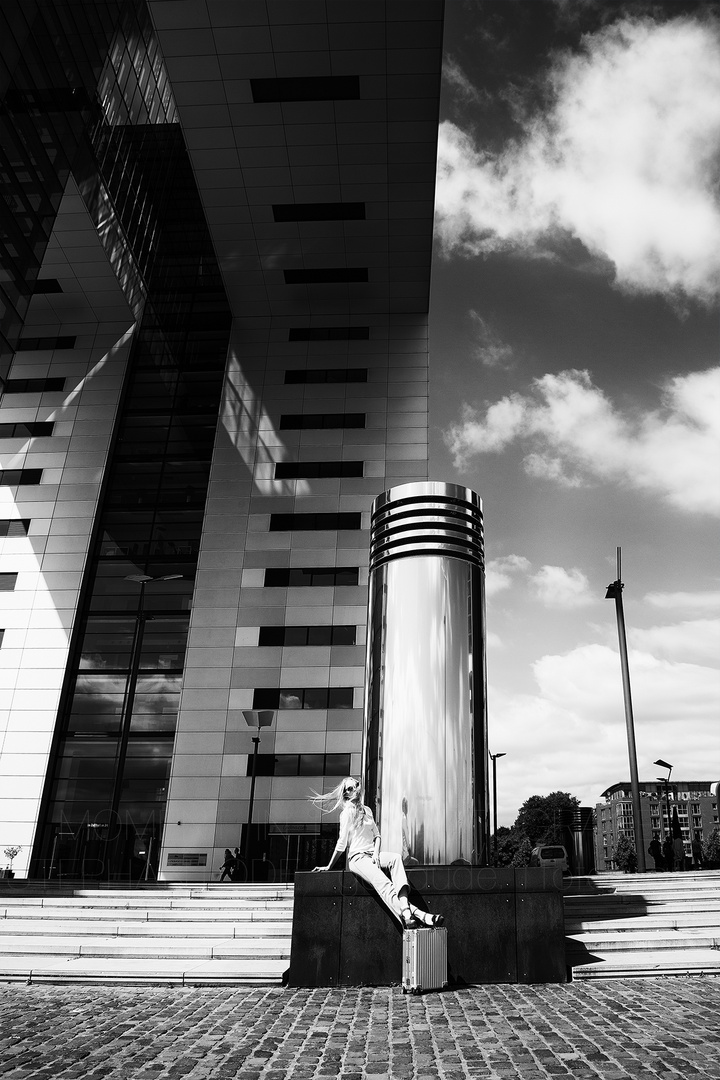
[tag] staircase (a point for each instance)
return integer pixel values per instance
(190, 935)
(626, 925)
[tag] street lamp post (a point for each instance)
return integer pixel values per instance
(614, 592)
(254, 718)
(494, 758)
(666, 781)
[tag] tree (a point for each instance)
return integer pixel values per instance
(625, 855)
(509, 843)
(711, 849)
(541, 817)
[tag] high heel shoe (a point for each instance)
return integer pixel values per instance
(408, 919)
(426, 919)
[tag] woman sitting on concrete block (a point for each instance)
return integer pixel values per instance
(360, 838)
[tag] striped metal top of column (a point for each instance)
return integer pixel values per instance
(427, 518)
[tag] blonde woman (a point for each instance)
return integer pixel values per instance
(360, 838)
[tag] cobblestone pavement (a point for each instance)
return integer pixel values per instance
(637, 1028)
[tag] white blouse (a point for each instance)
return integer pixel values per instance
(357, 832)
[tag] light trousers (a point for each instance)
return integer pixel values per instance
(386, 887)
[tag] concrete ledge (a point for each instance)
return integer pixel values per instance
(504, 926)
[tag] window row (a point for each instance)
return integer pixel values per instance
(300, 765)
(12, 477)
(313, 522)
(311, 697)
(319, 211)
(329, 333)
(29, 344)
(326, 275)
(31, 386)
(14, 527)
(26, 430)
(317, 470)
(326, 375)
(277, 577)
(323, 421)
(307, 635)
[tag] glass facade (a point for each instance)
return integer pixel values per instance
(213, 308)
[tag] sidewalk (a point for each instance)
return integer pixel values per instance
(622, 1028)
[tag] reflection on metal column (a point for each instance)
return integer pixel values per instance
(425, 734)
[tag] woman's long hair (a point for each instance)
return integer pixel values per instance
(331, 800)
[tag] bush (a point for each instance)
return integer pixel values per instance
(625, 855)
(711, 850)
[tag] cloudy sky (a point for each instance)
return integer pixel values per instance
(575, 377)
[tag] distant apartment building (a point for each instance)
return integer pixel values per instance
(696, 802)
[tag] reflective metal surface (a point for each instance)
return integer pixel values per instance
(425, 746)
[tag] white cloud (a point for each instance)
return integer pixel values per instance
(499, 572)
(695, 641)
(490, 350)
(685, 601)
(574, 435)
(625, 160)
(559, 588)
(570, 735)
(454, 75)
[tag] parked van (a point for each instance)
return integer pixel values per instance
(552, 855)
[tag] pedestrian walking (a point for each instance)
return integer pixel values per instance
(227, 866)
(655, 850)
(697, 852)
(668, 853)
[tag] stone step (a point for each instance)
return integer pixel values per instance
(644, 964)
(148, 903)
(111, 928)
(164, 948)
(201, 914)
(647, 922)
(182, 972)
(188, 935)
(639, 939)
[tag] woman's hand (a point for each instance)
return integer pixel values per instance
(319, 869)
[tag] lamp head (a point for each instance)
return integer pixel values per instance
(259, 718)
(662, 764)
(614, 590)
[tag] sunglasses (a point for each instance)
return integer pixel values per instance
(349, 788)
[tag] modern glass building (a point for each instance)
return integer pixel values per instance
(216, 242)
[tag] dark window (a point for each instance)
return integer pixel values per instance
(28, 344)
(2, 635)
(31, 386)
(10, 477)
(280, 577)
(308, 522)
(326, 375)
(329, 211)
(300, 765)
(310, 421)
(307, 88)
(326, 275)
(7, 582)
(307, 635)
(31, 429)
(317, 470)
(47, 285)
(14, 527)
(329, 333)
(313, 697)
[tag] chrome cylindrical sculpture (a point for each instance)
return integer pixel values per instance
(425, 728)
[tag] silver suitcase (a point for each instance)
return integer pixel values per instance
(424, 960)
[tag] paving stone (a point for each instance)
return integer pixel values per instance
(625, 1029)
